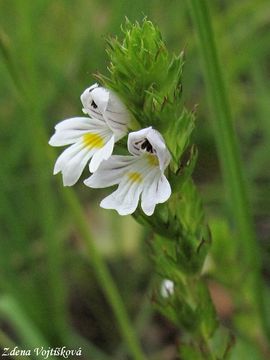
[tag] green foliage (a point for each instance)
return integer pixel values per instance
(184, 230)
(140, 64)
(178, 135)
(149, 80)
(189, 352)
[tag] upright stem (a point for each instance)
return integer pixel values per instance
(227, 146)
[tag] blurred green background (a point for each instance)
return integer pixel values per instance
(49, 294)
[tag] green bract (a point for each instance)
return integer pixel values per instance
(149, 81)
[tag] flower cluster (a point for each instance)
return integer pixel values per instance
(92, 139)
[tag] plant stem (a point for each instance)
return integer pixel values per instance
(227, 146)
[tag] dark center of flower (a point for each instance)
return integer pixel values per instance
(93, 104)
(145, 145)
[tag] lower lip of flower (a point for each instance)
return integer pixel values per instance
(92, 141)
(135, 177)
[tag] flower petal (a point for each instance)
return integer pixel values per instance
(158, 143)
(102, 154)
(82, 123)
(149, 140)
(95, 100)
(110, 172)
(156, 190)
(125, 199)
(117, 115)
(105, 104)
(72, 161)
(135, 138)
(69, 131)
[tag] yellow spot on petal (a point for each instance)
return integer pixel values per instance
(135, 177)
(93, 141)
(153, 160)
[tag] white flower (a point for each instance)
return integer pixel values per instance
(90, 137)
(139, 175)
(101, 103)
(167, 288)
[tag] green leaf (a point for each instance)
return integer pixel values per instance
(189, 352)
(206, 311)
(178, 133)
(184, 171)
